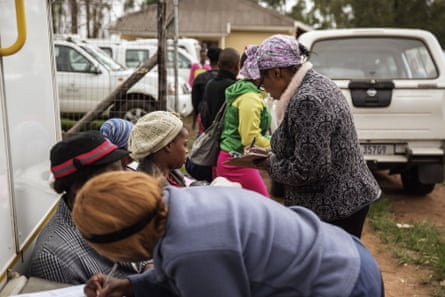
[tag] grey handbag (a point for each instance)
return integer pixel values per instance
(205, 148)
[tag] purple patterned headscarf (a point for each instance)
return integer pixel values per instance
(275, 51)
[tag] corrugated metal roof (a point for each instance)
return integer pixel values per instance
(205, 18)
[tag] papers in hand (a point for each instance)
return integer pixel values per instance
(250, 159)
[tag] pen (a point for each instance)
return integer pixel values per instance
(112, 271)
(253, 142)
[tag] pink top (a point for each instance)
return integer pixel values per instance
(194, 72)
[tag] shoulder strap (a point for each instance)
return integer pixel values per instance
(221, 112)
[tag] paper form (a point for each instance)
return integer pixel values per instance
(73, 291)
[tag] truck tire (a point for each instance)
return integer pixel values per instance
(132, 110)
(412, 184)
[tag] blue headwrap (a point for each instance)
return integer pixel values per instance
(117, 131)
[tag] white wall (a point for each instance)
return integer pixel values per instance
(30, 125)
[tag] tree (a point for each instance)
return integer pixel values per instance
(423, 14)
(58, 12)
(275, 4)
(74, 11)
(131, 5)
(298, 12)
(145, 3)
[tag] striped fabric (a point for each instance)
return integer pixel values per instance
(62, 255)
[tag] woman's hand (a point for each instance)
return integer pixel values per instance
(260, 163)
(258, 150)
(96, 287)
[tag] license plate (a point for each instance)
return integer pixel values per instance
(377, 149)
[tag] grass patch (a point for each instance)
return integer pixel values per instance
(420, 243)
(69, 123)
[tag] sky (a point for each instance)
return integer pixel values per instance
(289, 4)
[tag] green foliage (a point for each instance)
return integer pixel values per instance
(145, 3)
(275, 4)
(69, 123)
(422, 14)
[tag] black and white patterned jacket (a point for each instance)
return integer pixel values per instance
(62, 255)
(317, 154)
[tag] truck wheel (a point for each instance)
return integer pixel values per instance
(412, 184)
(133, 110)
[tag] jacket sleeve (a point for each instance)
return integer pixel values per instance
(301, 144)
(212, 273)
(249, 114)
(146, 284)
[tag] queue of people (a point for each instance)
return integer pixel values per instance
(209, 241)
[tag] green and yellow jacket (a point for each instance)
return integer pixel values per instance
(247, 116)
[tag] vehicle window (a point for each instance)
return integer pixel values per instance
(420, 63)
(136, 57)
(102, 57)
(183, 62)
(62, 59)
(373, 58)
(70, 60)
(107, 50)
(78, 62)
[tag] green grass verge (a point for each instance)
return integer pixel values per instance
(68, 123)
(420, 244)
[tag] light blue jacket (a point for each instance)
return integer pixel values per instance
(227, 242)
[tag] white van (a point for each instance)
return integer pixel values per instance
(190, 45)
(394, 80)
(134, 53)
(86, 75)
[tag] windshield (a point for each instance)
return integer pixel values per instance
(373, 58)
(103, 58)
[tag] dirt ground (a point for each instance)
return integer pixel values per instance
(405, 280)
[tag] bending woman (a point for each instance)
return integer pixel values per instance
(220, 247)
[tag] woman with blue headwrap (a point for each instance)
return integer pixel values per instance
(117, 131)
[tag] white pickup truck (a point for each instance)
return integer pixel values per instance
(86, 75)
(394, 80)
(133, 53)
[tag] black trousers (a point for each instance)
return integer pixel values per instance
(354, 223)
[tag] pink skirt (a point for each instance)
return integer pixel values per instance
(249, 178)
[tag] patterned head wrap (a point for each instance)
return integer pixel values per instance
(249, 68)
(275, 51)
(117, 131)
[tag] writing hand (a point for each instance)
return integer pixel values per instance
(95, 287)
(260, 150)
